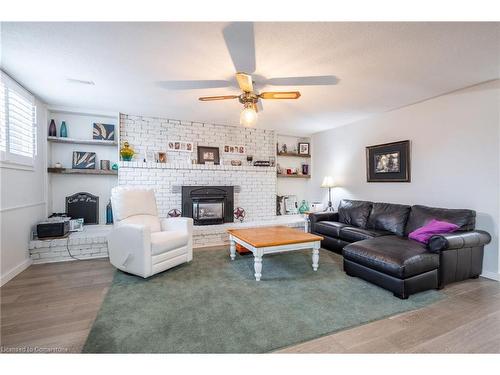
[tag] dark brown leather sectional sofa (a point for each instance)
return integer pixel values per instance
(373, 238)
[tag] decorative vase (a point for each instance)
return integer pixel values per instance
(109, 213)
(52, 129)
(127, 153)
(305, 169)
(63, 132)
(303, 207)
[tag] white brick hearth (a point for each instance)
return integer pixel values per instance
(91, 242)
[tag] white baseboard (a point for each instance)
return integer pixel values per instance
(491, 275)
(9, 275)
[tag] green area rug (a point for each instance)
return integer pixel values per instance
(214, 305)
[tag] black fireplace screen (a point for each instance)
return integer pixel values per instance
(83, 205)
(208, 209)
(208, 204)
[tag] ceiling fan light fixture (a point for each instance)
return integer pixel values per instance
(248, 116)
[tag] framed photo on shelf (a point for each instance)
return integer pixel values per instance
(83, 160)
(208, 155)
(180, 146)
(388, 162)
(162, 157)
(239, 150)
(304, 148)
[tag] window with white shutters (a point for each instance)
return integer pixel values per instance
(17, 123)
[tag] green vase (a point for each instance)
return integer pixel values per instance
(63, 132)
(303, 207)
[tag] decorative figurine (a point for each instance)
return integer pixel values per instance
(174, 213)
(239, 214)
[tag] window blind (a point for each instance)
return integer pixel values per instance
(17, 123)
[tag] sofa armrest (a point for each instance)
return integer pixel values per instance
(323, 216)
(458, 240)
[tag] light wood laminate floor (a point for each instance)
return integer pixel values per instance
(51, 307)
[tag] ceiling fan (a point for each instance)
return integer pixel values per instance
(249, 98)
(240, 42)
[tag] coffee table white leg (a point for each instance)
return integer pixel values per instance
(257, 265)
(315, 258)
(232, 248)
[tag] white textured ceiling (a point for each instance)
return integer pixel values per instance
(380, 66)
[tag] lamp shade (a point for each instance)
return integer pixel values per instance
(328, 182)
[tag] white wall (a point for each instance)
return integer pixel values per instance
(455, 156)
(22, 204)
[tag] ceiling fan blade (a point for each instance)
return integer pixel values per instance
(195, 84)
(240, 42)
(303, 81)
(244, 81)
(222, 97)
(280, 95)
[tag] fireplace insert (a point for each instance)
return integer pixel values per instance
(208, 205)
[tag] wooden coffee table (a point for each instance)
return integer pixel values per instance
(269, 240)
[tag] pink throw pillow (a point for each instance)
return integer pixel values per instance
(423, 234)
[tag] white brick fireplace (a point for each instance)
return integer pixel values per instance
(255, 187)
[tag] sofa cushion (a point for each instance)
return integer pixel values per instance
(432, 228)
(389, 217)
(354, 212)
(393, 255)
(167, 240)
(421, 215)
(352, 234)
(329, 228)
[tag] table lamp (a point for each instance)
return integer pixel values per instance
(328, 183)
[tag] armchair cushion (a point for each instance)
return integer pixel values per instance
(167, 240)
(147, 220)
(130, 201)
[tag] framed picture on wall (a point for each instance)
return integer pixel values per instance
(208, 154)
(105, 132)
(388, 162)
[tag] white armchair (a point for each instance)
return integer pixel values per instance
(142, 244)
